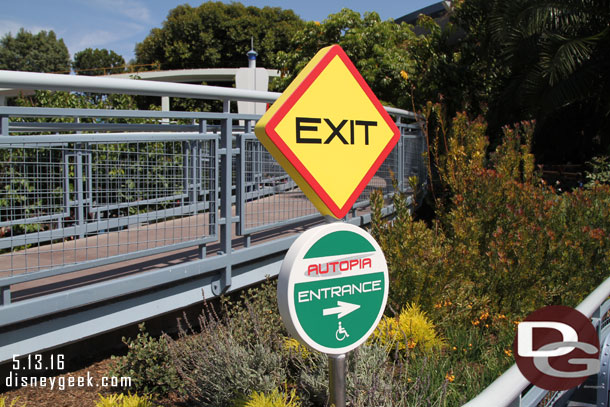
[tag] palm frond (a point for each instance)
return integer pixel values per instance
(560, 56)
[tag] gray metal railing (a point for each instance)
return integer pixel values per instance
(508, 389)
(90, 189)
(133, 194)
(73, 201)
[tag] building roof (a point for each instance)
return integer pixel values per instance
(436, 10)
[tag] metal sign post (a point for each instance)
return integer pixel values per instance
(332, 292)
(331, 134)
(336, 380)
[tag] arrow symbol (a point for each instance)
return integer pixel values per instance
(342, 308)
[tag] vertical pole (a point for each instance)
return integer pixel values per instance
(336, 380)
(202, 129)
(165, 108)
(596, 320)
(4, 126)
(186, 189)
(336, 365)
(5, 295)
(240, 188)
(195, 173)
(252, 56)
(214, 186)
(226, 194)
(80, 211)
(226, 179)
(402, 186)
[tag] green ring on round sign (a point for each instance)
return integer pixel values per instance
(340, 242)
(333, 287)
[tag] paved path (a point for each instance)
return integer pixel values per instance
(258, 213)
(146, 236)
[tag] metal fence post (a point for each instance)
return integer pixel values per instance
(80, 196)
(240, 179)
(5, 295)
(401, 157)
(202, 129)
(226, 193)
(5, 292)
(4, 126)
(602, 377)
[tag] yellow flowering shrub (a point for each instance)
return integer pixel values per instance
(273, 399)
(4, 402)
(411, 329)
(122, 400)
(293, 345)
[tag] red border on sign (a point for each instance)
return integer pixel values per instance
(283, 110)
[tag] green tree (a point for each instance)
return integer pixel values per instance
(41, 52)
(379, 49)
(95, 62)
(454, 63)
(522, 60)
(558, 54)
(217, 35)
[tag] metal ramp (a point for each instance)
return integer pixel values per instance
(88, 191)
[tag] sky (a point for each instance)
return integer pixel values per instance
(119, 24)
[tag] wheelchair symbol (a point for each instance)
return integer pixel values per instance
(341, 333)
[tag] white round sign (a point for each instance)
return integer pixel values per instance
(333, 287)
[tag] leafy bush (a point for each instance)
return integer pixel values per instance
(234, 354)
(600, 171)
(309, 373)
(242, 350)
(375, 379)
(122, 400)
(501, 237)
(255, 313)
(502, 244)
(148, 363)
(241, 354)
(413, 271)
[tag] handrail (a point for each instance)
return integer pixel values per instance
(81, 83)
(506, 388)
(34, 80)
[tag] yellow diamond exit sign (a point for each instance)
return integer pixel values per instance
(329, 132)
